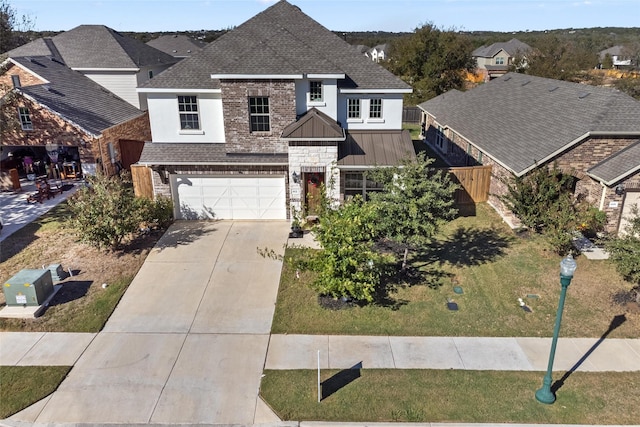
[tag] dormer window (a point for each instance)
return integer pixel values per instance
(315, 91)
(188, 109)
(500, 60)
(25, 118)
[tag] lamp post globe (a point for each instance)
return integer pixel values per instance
(567, 269)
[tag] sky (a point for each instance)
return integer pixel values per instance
(336, 15)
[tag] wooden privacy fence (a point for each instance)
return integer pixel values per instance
(142, 184)
(411, 115)
(474, 184)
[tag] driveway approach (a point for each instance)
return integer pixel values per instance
(188, 341)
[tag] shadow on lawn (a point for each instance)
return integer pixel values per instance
(468, 247)
(340, 380)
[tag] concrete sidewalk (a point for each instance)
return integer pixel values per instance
(470, 353)
(373, 352)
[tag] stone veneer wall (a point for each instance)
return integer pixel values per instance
(235, 104)
(313, 154)
(138, 129)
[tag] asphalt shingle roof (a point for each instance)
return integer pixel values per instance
(521, 120)
(204, 154)
(96, 46)
(281, 40)
(74, 97)
(177, 45)
(512, 47)
(618, 166)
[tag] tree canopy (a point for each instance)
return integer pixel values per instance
(431, 60)
(12, 27)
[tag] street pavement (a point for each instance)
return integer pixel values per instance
(190, 339)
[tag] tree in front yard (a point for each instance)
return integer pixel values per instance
(624, 252)
(348, 266)
(106, 211)
(415, 202)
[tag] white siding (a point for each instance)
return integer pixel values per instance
(123, 84)
(329, 104)
(391, 112)
(143, 76)
(165, 120)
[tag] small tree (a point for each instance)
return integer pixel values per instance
(348, 265)
(416, 200)
(624, 252)
(107, 211)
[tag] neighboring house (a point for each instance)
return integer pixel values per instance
(494, 60)
(64, 121)
(114, 61)
(618, 59)
(378, 53)
(177, 45)
(519, 122)
(253, 125)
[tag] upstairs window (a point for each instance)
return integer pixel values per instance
(353, 108)
(25, 118)
(375, 108)
(259, 114)
(315, 91)
(500, 60)
(188, 108)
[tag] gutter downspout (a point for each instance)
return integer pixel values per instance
(602, 198)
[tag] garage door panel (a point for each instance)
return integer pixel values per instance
(231, 198)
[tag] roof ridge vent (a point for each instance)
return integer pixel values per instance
(583, 95)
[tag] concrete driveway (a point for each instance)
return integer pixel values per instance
(187, 343)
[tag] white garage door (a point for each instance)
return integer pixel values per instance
(229, 198)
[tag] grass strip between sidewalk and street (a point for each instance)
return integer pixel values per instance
(21, 386)
(372, 395)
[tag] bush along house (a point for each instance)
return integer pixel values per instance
(254, 124)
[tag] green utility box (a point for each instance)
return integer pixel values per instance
(28, 287)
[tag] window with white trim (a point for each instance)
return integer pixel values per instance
(353, 108)
(188, 110)
(259, 114)
(440, 138)
(25, 118)
(315, 91)
(500, 60)
(375, 108)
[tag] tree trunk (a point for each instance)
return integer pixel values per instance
(404, 260)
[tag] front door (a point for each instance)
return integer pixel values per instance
(312, 191)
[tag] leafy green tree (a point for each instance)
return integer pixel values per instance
(12, 27)
(106, 211)
(348, 266)
(624, 252)
(415, 202)
(629, 85)
(431, 60)
(561, 59)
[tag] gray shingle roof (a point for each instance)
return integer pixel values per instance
(74, 97)
(96, 46)
(521, 120)
(618, 166)
(375, 148)
(614, 50)
(202, 154)
(281, 40)
(177, 45)
(512, 47)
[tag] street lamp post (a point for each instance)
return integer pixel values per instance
(567, 268)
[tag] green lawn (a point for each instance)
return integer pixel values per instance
(494, 268)
(453, 396)
(20, 386)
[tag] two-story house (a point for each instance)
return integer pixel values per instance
(113, 60)
(494, 60)
(618, 58)
(253, 125)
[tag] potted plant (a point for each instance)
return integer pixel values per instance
(296, 225)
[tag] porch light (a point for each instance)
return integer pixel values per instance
(620, 189)
(295, 177)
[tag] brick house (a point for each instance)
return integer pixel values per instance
(251, 126)
(67, 123)
(518, 122)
